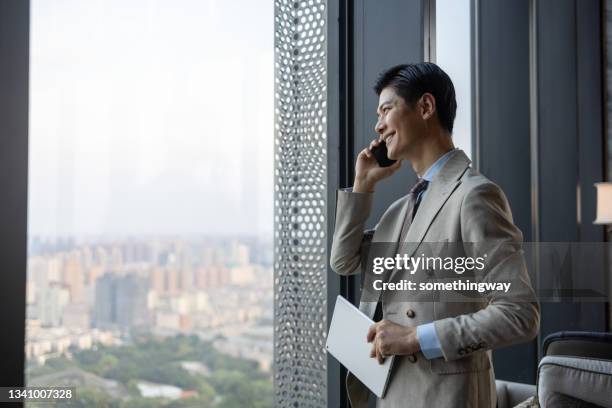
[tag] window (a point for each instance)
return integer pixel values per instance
(454, 56)
(150, 201)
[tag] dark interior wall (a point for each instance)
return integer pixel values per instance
(570, 140)
(540, 137)
(502, 137)
(503, 129)
(14, 66)
(557, 119)
(590, 81)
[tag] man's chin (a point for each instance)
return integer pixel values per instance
(391, 155)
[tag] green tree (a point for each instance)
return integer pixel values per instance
(87, 398)
(143, 403)
(233, 382)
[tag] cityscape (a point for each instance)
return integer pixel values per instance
(84, 296)
(150, 202)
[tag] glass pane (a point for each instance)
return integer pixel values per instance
(150, 201)
(454, 55)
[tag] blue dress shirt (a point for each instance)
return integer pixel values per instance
(426, 333)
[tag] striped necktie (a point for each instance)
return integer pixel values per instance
(414, 199)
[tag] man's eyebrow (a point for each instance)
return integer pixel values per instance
(383, 104)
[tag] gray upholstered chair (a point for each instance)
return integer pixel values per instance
(575, 372)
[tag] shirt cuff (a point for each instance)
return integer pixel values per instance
(350, 190)
(429, 342)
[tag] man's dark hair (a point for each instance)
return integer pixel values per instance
(411, 81)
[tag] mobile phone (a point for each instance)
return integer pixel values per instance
(380, 154)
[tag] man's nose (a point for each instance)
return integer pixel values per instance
(379, 127)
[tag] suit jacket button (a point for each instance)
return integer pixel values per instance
(410, 313)
(412, 358)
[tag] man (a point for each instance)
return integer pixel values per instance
(442, 348)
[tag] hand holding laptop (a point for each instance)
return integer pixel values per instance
(390, 338)
(345, 341)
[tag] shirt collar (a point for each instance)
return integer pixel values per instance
(435, 168)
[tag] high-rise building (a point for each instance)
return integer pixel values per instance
(136, 251)
(157, 278)
(211, 277)
(51, 304)
(76, 315)
(105, 305)
(101, 256)
(240, 254)
(172, 281)
(242, 275)
(74, 280)
(55, 265)
(94, 273)
(87, 256)
(121, 301)
(186, 278)
(132, 310)
(212, 256)
(116, 257)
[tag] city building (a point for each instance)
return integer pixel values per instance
(121, 301)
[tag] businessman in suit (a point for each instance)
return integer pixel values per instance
(443, 348)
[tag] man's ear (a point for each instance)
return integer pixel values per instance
(427, 105)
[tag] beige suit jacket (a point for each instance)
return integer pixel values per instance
(461, 206)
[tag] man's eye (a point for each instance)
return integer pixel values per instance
(384, 110)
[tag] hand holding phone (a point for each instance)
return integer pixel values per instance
(380, 154)
(373, 165)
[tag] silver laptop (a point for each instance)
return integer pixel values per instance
(347, 342)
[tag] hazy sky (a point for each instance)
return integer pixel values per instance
(151, 117)
(156, 116)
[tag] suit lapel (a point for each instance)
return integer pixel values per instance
(441, 188)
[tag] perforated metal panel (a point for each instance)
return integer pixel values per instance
(300, 207)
